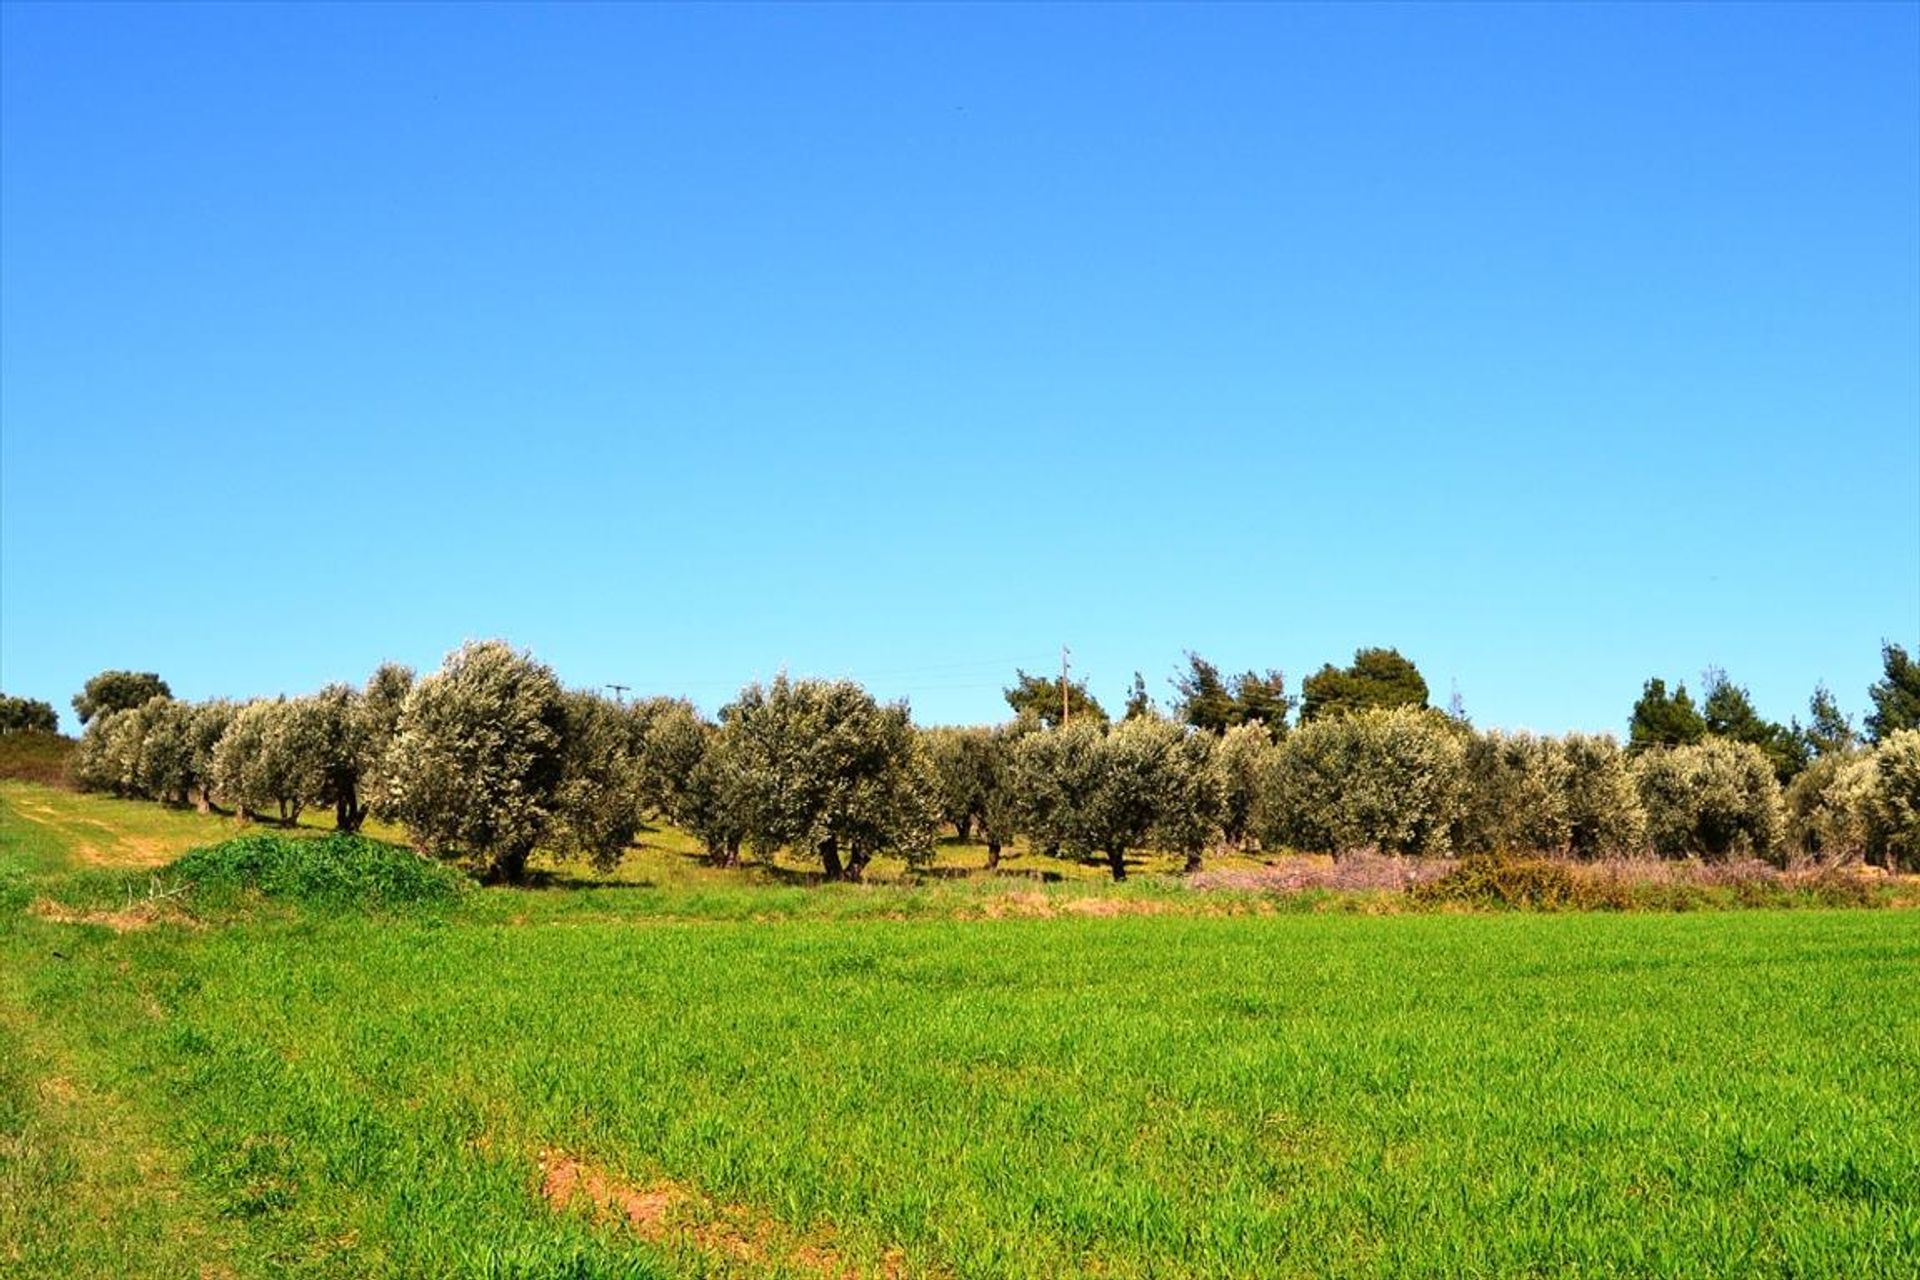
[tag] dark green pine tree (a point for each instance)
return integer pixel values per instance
(1663, 720)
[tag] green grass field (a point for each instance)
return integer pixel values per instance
(696, 1073)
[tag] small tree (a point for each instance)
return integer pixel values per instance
(1089, 792)
(1055, 774)
(1190, 794)
(27, 715)
(963, 768)
(712, 803)
(479, 757)
(1896, 697)
(673, 738)
(336, 721)
(1711, 799)
(1378, 679)
(107, 757)
(273, 754)
(118, 691)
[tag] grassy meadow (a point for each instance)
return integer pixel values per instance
(686, 1072)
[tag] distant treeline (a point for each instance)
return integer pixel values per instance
(489, 758)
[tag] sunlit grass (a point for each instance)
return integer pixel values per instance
(909, 1078)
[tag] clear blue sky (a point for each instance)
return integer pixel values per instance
(1558, 347)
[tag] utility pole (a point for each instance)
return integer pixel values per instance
(1064, 709)
(620, 692)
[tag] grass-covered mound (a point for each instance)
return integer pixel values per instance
(34, 755)
(333, 870)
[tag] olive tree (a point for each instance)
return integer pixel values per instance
(712, 802)
(1238, 762)
(824, 768)
(597, 805)
(1517, 794)
(1190, 792)
(376, 724)
(1088, 791)
(209, 724)
(274, 753)
(1711, 799)
(672, 740)
(1829, 807)
(107, 757)
(479, 756)
(964, 770)
(1389, 779)
(1603, 809)
(164, 767)
(1893, 805)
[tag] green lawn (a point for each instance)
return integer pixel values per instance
(839, 1082)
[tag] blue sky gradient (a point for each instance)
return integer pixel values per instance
(1556, 346)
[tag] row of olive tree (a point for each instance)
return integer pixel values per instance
(489, 758)
(1407, 781)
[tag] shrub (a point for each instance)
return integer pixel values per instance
(1535, 884)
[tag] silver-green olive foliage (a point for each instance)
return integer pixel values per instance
(164, 769)
(1239, 761)
(1392, 780)
(1712, 799)
(822, 767)
(479, 757)
(273, 754)
(672, 738)
(376, 725)
(1087, 790)
(1517, 794)
(1829, 807)
(964, 766)
(1893, 805)
(1604, 815)
(598, 804)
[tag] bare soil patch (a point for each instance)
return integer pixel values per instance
(670, 1213)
